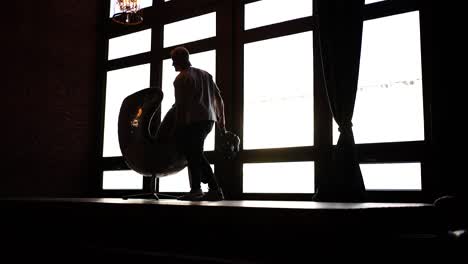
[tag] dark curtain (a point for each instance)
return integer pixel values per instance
(340, 34)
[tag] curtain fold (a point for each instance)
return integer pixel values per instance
(340, 34)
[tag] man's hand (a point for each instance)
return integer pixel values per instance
(222, 128)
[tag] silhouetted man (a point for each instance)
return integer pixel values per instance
(198, 105)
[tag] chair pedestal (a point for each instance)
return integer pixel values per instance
(151, 194)
(142, 196)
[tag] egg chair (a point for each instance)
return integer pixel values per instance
(147, 145)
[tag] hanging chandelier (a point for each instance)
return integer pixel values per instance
(127, 12)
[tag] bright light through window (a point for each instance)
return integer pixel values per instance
(203, 60)
(122, 180)
(392, 176)
(389, 100)
(191, 29)
(120, 84)
(178, 182)
(266, 12)
(372, 1)
(278, 92)
(130, 44)
(279, 177)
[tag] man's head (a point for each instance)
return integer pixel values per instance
(180, 58)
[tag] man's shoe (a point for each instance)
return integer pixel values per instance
(213, 195)
(196, 195)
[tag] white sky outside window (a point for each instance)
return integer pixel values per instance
(278, 92)
(389, 100)
(130, 44)
(143, 4)
(191, 29)
(122, 179)
(203, 60)
(372, 1)
(120, 84)
(267, 12)
(178, 182)
(392, 176)
(279, 177)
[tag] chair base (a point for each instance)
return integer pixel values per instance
(142, 196)
(154, 196)
(151, 194)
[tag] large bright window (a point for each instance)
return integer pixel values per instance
(278, 177)
(191, 29)
(266, 12)
(389, 100)
(120, 84)
(178, 182)
(372, 1)
(274, 99)
(122, 179)
(278, 92)
(130, 44)
(392, 176)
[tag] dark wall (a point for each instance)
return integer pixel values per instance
(49, 132)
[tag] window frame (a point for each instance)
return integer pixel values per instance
(228, 43)
(408, 151)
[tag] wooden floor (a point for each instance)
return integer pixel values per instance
(226, 203)
(217, 232)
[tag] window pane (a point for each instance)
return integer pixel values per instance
(278, 92)
(122, 179)
(191, 29)
(266, 12)
(372, 1)
(389, 100)
(130, 44)
(203, 60)
(279, 177)
(143, 4)
(120, 84)
(178, 182)
(392, 176)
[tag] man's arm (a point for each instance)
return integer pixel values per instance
(219, 104)
(180, 88)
